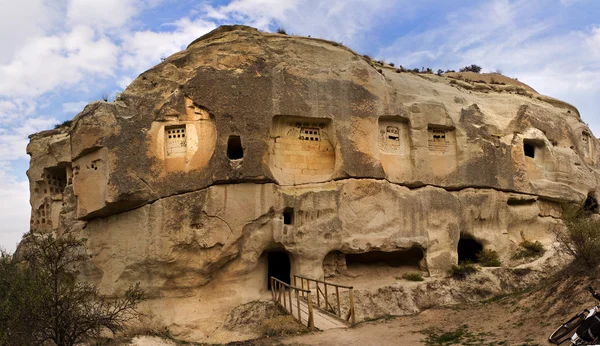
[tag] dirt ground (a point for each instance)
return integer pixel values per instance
(486, 324)
(523, 319)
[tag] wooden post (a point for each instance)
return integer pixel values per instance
(326, 299)
(311, 319)
(283, 296)
(337, 294)
(352, 307)
(295, 281)
(307, 287)
(318, 300)
(302, 282)
(291, 309)
(298, 302)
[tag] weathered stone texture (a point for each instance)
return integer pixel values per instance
(338, 159)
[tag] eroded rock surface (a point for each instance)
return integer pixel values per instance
(248, 144)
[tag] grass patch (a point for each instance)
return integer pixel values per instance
(460, 336)
(414, 276)
(529, 249)
(488, 258)
(462, 270)
(435, 336)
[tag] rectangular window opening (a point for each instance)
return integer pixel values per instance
(175, 141)
(529, 150)
(288, 216)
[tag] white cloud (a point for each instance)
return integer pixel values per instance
(15, 211)
(106, 14)
(74, 107)
(62, 60)
(24, 20)
(13, 141)
(144, 48)
(345, 21)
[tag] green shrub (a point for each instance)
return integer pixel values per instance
(488, 258)
(64, 123)
(462, 270)
(281, 30)
(414, 276)
(529, 250)
(472, 68)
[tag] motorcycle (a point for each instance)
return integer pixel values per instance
(585, 327)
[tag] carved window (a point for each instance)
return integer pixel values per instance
(437, 140)
(288, 216)
(310, 134)
(529, 150)
(55, 179)
(234, 148)
(176, 141)
(392, 133)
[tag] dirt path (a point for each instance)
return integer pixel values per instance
(495, 323)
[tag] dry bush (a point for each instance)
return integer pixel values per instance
(488, 258)
(282, 325)
(581, 239)
(530, 250)
(462, 270)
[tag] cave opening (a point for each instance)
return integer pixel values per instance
(288, 216)
(468, 249)
(529, 150)
(402, 258)
(591, 204)
(234, 148)
(279, 267)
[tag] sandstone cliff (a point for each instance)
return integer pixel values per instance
(249, 143)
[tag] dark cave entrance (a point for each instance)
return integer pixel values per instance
(529, 150)
(279, 267)
(234, 148)
(409, 258)
(468, 248)
(591, 204)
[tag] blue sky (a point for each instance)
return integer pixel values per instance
(58, 55)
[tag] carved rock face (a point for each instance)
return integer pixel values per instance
(331, 158)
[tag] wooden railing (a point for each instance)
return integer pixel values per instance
(335, 309)
(282, 294)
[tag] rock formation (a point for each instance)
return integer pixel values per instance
(249, 152)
